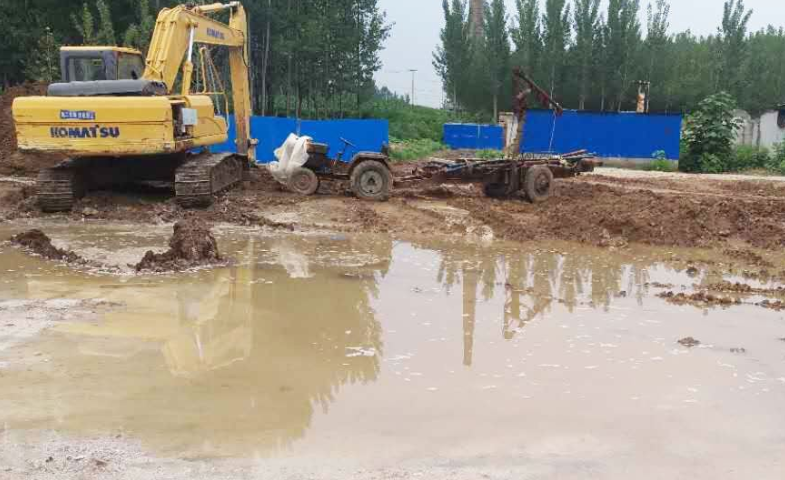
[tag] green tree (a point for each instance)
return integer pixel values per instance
(139, 33)
(586, 20)
(44, 62)
(527, 36)
(622, 41)
(496, 50)
(733, 46)
(766, 58)
(452, 58)
(105, 34)
(556, 37)
(656, 43)
(85, 25)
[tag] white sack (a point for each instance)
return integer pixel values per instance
(291, 155)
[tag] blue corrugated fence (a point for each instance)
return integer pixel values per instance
(624, 135)
(367, 135)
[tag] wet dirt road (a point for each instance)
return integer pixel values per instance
(359, 356)
(609, 208)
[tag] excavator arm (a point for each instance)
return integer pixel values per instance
(178, 29)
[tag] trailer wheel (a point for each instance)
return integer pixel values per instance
(371, 180)
(304, 181)
(538, 184)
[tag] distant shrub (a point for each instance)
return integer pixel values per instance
(660, 163)
(489, 154)
(709, 135)
(414, 123)
(746, 157)
(776, 162)
(404, 150)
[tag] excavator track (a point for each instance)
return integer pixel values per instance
(204, 175)
(59, 188)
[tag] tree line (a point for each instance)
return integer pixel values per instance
(310, 58)
(593, 58)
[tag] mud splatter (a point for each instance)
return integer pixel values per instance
(777, 306)
(699, 299)
(728, 287)
(749, 257)
(689, 342)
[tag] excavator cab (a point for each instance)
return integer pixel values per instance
(88, 64)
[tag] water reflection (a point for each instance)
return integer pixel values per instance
(532, 281)
(236, 360)
(244, 354)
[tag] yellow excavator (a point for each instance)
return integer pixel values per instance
(121, 121)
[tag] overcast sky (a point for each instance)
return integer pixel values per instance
(418, 22)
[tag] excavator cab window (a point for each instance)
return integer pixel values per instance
(86, 69)
(99, 63)
(129, 67)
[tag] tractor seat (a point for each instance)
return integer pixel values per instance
(318, 148)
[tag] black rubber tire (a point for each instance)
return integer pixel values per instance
(304, 181)
(538, 184)
(371, 180)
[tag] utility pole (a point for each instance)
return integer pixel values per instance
(413, 71)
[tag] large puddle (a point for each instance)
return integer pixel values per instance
(365, 348)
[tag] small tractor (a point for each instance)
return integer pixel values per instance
(369, 173)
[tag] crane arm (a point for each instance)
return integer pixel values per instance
(172, 46)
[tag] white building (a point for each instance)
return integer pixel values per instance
(765, 131)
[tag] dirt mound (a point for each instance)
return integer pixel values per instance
(611, 216)
(13, 162)
(191, 245)
(585, 212)
(36, 241)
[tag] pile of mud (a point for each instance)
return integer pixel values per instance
(606, 215)
(192, 245)
(12, 162)
(36, 242)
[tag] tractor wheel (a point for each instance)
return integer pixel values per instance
(538, 184)
(371, 180)
(304, 181)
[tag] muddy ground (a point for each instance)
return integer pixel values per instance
(608, 208)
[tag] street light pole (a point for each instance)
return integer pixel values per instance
(413, 71)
